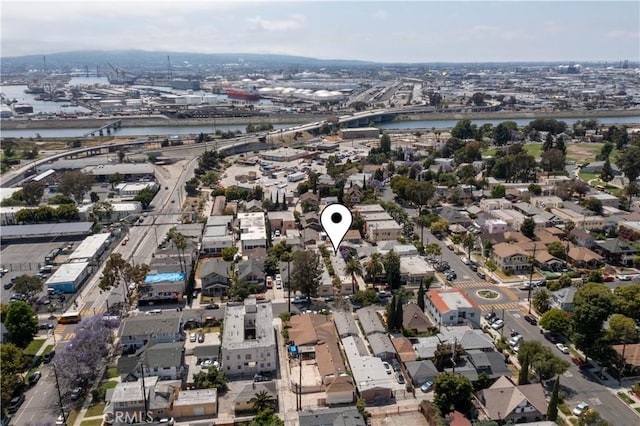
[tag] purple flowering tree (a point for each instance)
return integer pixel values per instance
(83, 356)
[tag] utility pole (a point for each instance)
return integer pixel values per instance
(55, 373)
(300, 381)
(453, 355)
(502, 329)
(144, 389)
(533, 260)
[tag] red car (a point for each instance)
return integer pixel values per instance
(608, 278)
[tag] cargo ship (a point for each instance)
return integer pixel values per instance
(247, 95)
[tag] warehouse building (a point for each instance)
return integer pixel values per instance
(91, 248)
(69, 277)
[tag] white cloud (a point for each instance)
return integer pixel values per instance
(293, 22)
(623, 35)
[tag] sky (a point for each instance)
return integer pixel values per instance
(380, 31)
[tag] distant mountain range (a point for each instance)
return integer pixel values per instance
(125, 59)
(140, 58)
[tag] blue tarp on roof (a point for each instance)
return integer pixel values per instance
(167, 277)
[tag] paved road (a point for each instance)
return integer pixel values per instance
(578, 385)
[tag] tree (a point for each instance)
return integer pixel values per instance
(591, 418)
(502, 134)
(374, 266)
(498, 191)
(548, 142)
(306, 272)
(542, 359)
(541, 300)
(12, 363)
(523, 375)
(391, 262)
(469, 242)
(385, 142)
(121, 156)
(191, 187)
(102, 210)
(266, 418)
(557, 249)
(606, 174)
(115, 179)
(552, 160)
(552, 408)
(627, 300)
(421, 297)
(592, 305)
(210, 379)
(210, 178)
(61, 199)
(463, 129)
(229, 253)
(145, 196)
(444, 356)
(367, 297)
(353, 267)
(555, 320)
(440, 226)
(21, 323)
(94, 197)
(28, 284)
(452, 392)
(118, 271)
(628, 161)
(528, 227)
(262, 400)
(76, 184)
(621, 328)
(535, 189)
(594, 205)
(32, 192)
(478, 98)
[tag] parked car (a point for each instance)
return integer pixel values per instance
(498, 324)
(48, 356)
(562, 348)
(260, 378)
(581, 408)
(387, 367)
(515, 340)
(200, 337)
(33, 378)
(399, 378)
(426, 386)
(608, 278)
(15, 404)
(329, 299)
(481, 275)
(451, 275)
(8, 285)
(450, 247)
(75, 393)
(490, 316)
(531, 320)
(212, 306)
(60, 420)
(624, 277)
(192, 337)
(553, 338)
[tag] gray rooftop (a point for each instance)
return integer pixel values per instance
(345, 323)
(380, 344)
(150, 325)
(370, 320)
(45, 229)
(258, 315)
(340, 416)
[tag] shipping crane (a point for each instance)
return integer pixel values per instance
(121, 76)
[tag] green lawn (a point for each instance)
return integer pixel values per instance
(533, 149)
(95, 422)
(112, 373)
(489, 152)
(588, 176)
(95, 410)
(48, 348)
(34, 346)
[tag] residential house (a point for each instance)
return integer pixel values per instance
(582, 238)
(629, 231)
(249, 344)
(414, 319)
(137, 331)
(375, 386)
(381, 346)
(128, 399)
(343, 416)
(617, 251)
(547, 202)
(504, 401)
(214, 274)
(352, 195)
(489, 362)
(345, 323)
(162, 288)
(251, 270)
(582, 257)
(510, 258)
(452, 307)
(282, 220)
(495, 226)
(563, 298)
(253, 206)
(253, 234)
(195, 403)
(311, 220)
(547, 262)
(242, 402)
(383, 230)
(311, 200)
(421, 371)
(165, 360)
(404, 348)
(370, 320)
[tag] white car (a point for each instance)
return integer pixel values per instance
(562, 348)
(387, 368)
(515, 340)
(581, 408)
(192, 337)
(624, 277)
(497, 325)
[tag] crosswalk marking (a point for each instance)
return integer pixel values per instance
(499, 306)
(472, 284)
(69, 336)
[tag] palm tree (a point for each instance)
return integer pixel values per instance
(468, 242)
(541, 300)
(374, 266)
(353, 267)
(261, 401)
(422, 221)
(433, 249)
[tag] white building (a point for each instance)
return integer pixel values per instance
(248, 344)
(384, 230)
(69, 277)
(495, 226)
(253, 234)
(130, 190)
(90, 248)
(413, 269)
(452, 307)
(119, 212)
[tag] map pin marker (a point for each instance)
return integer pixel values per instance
(336, 220)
